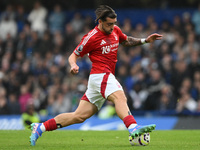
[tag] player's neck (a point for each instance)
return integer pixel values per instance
(100, 28)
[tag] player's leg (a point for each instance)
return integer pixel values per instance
(122, 110)
(121, 107)
(84, 111)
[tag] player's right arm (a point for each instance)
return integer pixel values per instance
(83, 48)
(72, 62)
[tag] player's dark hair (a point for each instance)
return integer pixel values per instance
(104, 11)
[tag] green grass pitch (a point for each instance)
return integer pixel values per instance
(99, 140)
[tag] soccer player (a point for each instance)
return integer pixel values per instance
(101, 45)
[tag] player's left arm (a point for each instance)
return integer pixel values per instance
(131, 41)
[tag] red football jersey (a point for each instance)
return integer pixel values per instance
(102, 49)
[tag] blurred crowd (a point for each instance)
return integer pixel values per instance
(34, 48)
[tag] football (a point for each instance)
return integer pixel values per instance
(143, 140)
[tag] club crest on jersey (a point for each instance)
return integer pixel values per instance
(116, 38)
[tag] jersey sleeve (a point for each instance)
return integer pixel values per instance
(83, 48)
(122, 36)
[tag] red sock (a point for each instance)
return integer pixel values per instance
(128, 120)
(50, 125)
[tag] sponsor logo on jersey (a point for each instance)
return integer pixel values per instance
(105, 49)
(112, 47)
(103, 42)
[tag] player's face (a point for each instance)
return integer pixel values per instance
(108, 25)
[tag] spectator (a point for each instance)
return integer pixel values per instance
(127, 27)
(39, 68)
(37, 18)
(60, 104)
(69, 38)
(2, 50)
(166, 68)
(33, 44)
(132, 78)
(89, 22)
(167, 99)
(122, 73)
(9, 46)
(149, 21)
(21, 43)
(139, 30)
(163, 51)
(191, 44)
(3, 102)
(13, 104)
(54, 73)
(154, 87)
(8, 12)
(185, 102)
(135, 54)
(178, 46)
(194, 63)
(51, 97)
(45, 44)
(21, 19)
(186, 17)
(67, 95)
(29, 116)
(196, 20)
(5, 62)
(195, 91)
(77, 22)
(25, 73)
(179, 73)
(198, 106)
(58, 42)
(56, 19)
(138, 96)
(38, 99)
(43, 82)
(4, 110)
(8, 27)
(24, 97)
(1, 78)
(19, 58)
(11, 82)
(177, 24)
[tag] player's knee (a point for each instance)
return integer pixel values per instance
(118, 97)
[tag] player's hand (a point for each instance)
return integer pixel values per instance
(74, 69)
(153, 37)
